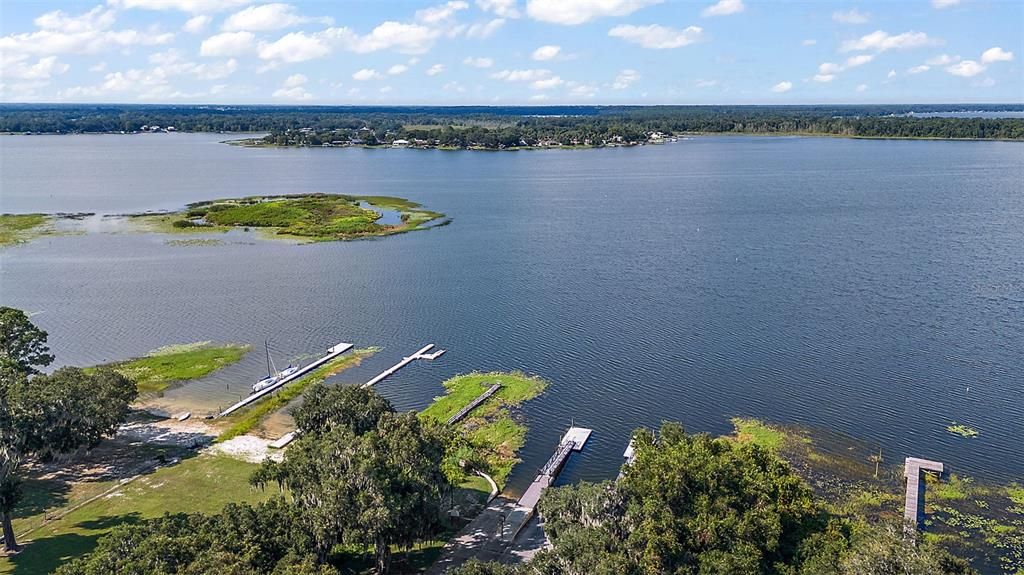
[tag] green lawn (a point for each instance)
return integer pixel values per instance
(201, 484)
(162, 367)
(758, 432)
(491, 428)
(18, 228)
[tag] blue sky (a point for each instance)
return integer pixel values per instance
(511, 51)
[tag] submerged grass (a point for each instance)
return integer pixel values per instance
(490, 428)
(244, 420)
(20, 228)
(758, 432)
(162, 367)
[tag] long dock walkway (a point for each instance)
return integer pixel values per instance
(332, 353)
(913, 505)
(573, 440)
(421, 354)
(473, 404)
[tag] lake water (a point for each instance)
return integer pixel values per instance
(868, 286)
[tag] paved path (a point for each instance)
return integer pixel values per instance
(480, 539)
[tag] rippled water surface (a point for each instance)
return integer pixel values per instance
(872, 287)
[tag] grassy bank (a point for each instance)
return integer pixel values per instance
(20, 228)
(202, 484)
(491, 428)
(161, 368)
(244, 420)
(974, 519)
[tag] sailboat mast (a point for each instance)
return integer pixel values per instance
(266, 346)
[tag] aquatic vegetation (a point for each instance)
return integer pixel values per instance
(955, 489)
(20, 228)
(759, 433)
(962, 430)
(195, 241)
(160, 368)
(1016, 493)
(491, 429)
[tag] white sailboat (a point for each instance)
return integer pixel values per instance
(273, 376)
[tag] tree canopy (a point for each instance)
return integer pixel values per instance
(698, 505)
(362, 474)
(42, 416)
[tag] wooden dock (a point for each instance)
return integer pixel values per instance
(573, 440)
(913, 506)
(332, 353)
(421, 354)
(473, 404)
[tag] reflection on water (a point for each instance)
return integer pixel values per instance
(857, 285)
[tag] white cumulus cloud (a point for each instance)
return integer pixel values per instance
(574, 12)
(294, 47)
(724, 8)
(966, 68)
(441, 13)
(397, 69)
(435, 69)
(782, 87)
(996, 54)
(478, 62)
(366, 74)
(193, 6)
(624, 79)
(919, 69)
(940, 4)
(196, 24)
(481, 30)
(503, 8)
(881, 41)
(268, 17)
(852, 16)
(657, 37)
(228, 44)
(546, 52)
(293, 88)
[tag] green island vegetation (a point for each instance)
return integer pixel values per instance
(20, 228)
(962, 430)
(493, 436)
(163, 367)
(306, 217)
(513, 127)
(246, 419)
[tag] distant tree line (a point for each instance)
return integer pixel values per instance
(498, 127)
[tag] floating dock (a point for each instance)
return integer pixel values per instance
(332, 353)
(421, 354)
(573, 440)
(913, 506)
(473, 404)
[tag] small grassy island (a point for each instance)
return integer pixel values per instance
(490, 428)
(309, 217)
(161, 368)
(20, 228)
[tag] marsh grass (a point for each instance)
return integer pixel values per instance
(161, 368)
(20, 228)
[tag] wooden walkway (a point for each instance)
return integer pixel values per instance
(473, 404)
(421, 354)
(332, 353)
(913, 506)
(573, 440)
